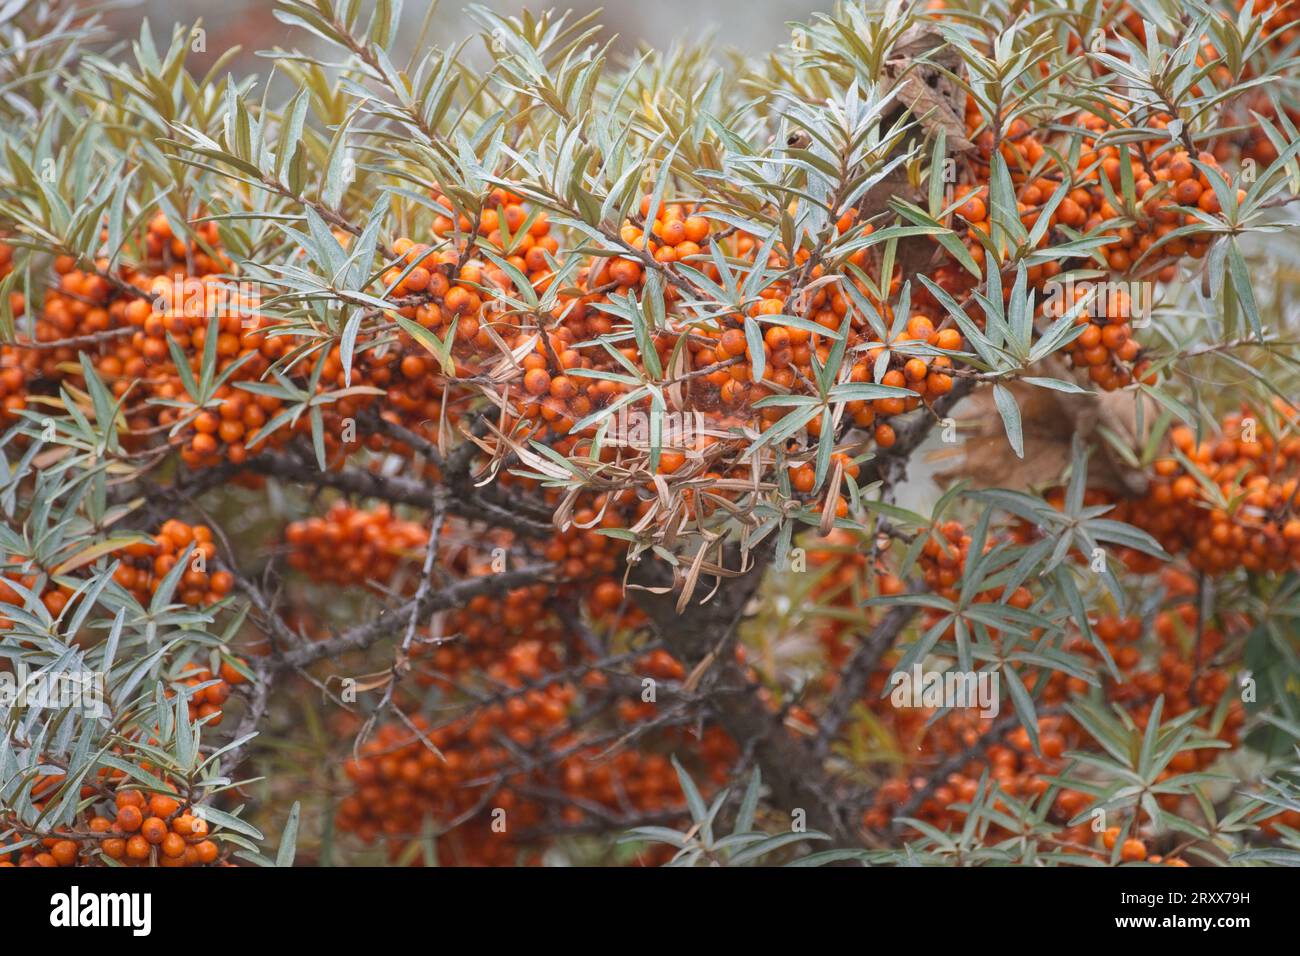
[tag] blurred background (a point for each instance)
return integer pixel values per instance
(752, 26)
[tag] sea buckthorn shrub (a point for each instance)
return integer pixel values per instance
(498, 461)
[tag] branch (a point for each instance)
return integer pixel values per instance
(397, 490)
(855, 674)
(454, 595)
(700, 638)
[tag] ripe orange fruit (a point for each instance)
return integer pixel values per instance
(64, 853)
(1133, 851)
(537, 381)
(173, 845)
(697, 228)
(154, 830)
(129, 819)
(161, 805)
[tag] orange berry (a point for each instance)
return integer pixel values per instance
(161, 805)
(154, 829)
(1133, 851)
(697, 228)
(948, 339)
(803, 479)
(129, 819)
(128, 798)
(64, 853)
(173, 845)
(537, 381)
(230, 675)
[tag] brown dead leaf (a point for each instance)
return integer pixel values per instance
(937, 103)
(1050, 420)
(931, 95)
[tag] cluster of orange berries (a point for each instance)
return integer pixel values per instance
(1013, 766)
(1163, 180)
(1017, 770)
(205, 702)
(14, 362)
(516, 640)
(142, 566)
(643, 779)
(1105, 347)
(480, 633)
(54, 597)
(502, 224)
(1185, 672)
(1236, 506)
(13, 385)
(1168, 188)
(145, 564)
(148, 316)
(18, 366)
(156, 830)
(178, 296)
(139, 312)
(943, 561)
(674, 236)
(447, 288)
(1185, 678)
(658, 665)
(447, 772)
(1165, 184)
(402, 778)
(580, 551)
(722, 364)
(349, 545)
(1134, 850)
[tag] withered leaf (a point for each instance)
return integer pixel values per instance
(1050, 420)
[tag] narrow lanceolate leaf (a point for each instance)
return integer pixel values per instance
(289, 838)
(1241, 284)
(92, 552)
(1010, 412)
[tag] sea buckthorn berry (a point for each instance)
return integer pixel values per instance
(537, 381)
(173, 845)
(129, 819)
(154, 829)
(1133, 851)
(64, 853)
(161, 805)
